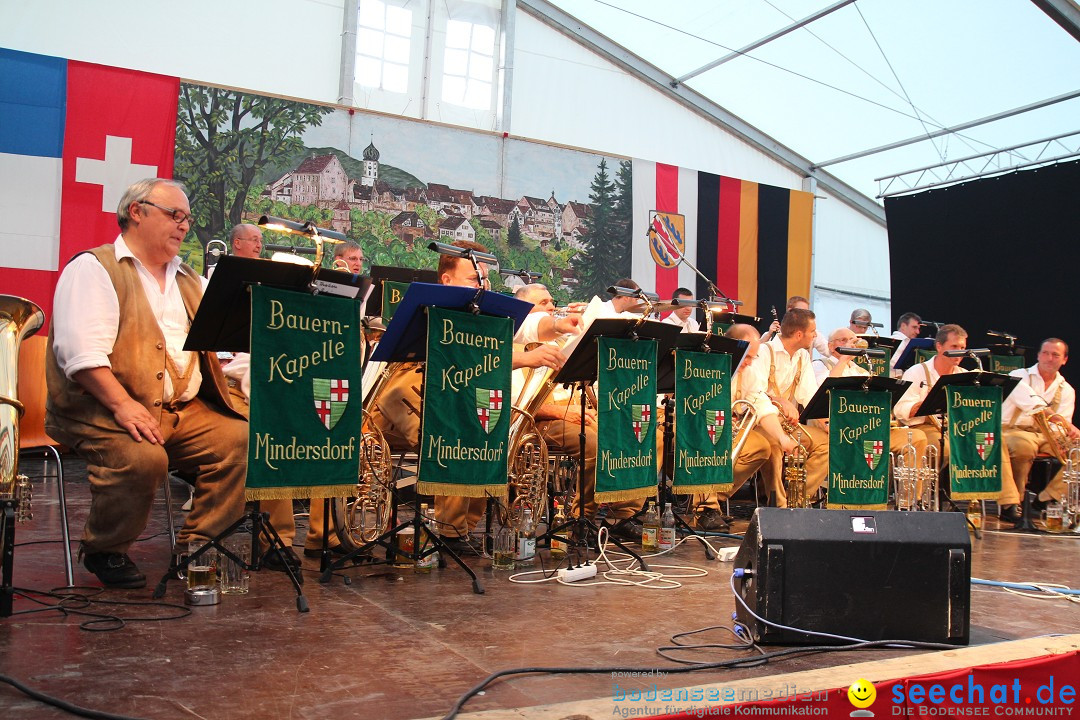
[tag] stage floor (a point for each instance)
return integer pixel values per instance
(394, 644)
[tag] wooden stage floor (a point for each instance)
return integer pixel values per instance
(398, 645)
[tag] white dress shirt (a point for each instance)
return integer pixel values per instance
(691, 325)
(787, 366)
(918, 390)
(904, 340)
(86, 317)
(1032, 395)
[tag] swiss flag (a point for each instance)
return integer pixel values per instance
(76, 135)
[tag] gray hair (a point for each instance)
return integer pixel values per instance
(239, 228)
(860, 314)
(139, 191)
(348, 246)
(530, 292)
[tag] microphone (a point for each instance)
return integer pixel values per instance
(970, 352)
(854, 352)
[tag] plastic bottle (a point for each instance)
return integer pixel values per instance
(526, 541)
(974, 514)
(667, 529)
(650, 531)
(558, 547)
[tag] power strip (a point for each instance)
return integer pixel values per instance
(584, 572)
(726, 554)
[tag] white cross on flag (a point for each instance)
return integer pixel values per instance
(74, 136)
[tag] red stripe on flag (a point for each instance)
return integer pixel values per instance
(727, 236)
(667, 200)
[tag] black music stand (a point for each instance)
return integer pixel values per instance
(380, 274)
(818, 407)
(665, 384)
(936, 402)
(581, 369)
(405, 340)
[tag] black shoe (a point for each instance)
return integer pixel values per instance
(317, 552)
(272, 560)
(710, 520)
(461, 546)
(626, 529)
(1038, 505)
(1010, 513)
(114, 570)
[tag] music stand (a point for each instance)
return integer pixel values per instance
(818, 407)
(581, 368)
(405, 340)
(380, 274)
(907, 358)
(936, 403)
(665, 384)
(223, 322)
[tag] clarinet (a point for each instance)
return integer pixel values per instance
(775, 319)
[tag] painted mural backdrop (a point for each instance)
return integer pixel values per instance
(394, 185)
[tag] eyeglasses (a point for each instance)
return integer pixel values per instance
(179, 216)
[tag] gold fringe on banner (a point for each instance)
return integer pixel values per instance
(875, 506)
(290, 492)
(629, 494)
(456, 490)
(977, 495)
(702, 489)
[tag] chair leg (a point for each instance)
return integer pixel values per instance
(168, 511)
(64, 531)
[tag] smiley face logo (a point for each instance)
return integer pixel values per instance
(862, 693)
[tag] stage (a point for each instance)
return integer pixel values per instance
(395, 644)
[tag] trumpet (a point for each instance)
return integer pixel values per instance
(906, 475)
(794, 464)
(929, 471)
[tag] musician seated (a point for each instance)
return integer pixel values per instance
(246, 241)
(396, 412)
(838, 365)
(784, 362)
(349, 257)
(797, 302)
(908, 327)
(860, 321)
(922, 378)
(559, 419)
(684, 316)
(746, 385)
(124, 394)
(1042, 389)
(622, 305)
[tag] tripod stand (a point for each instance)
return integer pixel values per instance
(260, 527)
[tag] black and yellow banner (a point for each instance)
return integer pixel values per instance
(306, 408)
(702, 422)
(859, 449)
(465, 432)
(974, 442)
(626, 419)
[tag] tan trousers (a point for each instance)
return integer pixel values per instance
(283, 521)
(563, 437)
(816, 441)
(1023, 446)
(125, 475)
(752, 457)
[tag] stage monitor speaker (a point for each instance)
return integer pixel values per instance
(872, 575)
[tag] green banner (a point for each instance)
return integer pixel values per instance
(465, 430)
(626, 419)
(974, 442)
(923, 354)
(859, 449)
(306, 408)
(878, 366)
(719, 328)
(702, 422)
(1006, 363)
(392, 294)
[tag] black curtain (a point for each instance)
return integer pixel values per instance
(999, 253)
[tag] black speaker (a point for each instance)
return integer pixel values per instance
(872, 575)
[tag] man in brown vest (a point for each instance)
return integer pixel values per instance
(125, 395)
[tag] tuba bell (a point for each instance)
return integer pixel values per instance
(19, 319)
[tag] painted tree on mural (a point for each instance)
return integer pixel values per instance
(223, 140)
(606, 255)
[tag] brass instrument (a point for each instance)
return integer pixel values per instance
(1071, 476)
(906, 475)
(214, 251)
(1055, 435)
(19, 319)
(744, 421)
(794, 465)
(929, 472)
(363, 517)
(340, 264)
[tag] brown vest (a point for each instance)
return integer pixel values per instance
(138, 355)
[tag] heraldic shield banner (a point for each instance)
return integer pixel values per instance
(859, 449)
(625, 419)
(465, 433)
(974, 442)
(702, 422)
(304, 434)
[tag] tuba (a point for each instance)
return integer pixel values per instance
(366, 515)
(19, 319)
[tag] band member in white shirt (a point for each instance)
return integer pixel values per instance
(908, 328)
(683, 317)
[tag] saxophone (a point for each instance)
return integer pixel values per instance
(19, 319)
